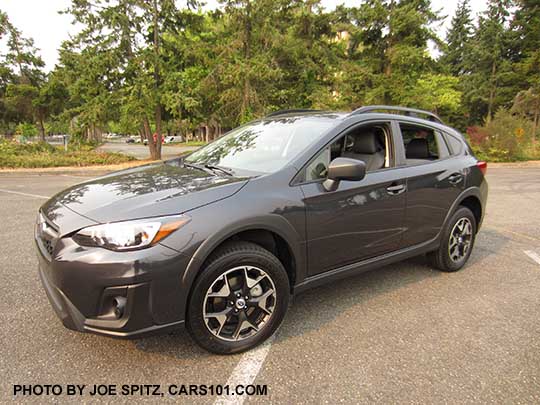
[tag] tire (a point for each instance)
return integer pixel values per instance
(224, 334)
(442, 259)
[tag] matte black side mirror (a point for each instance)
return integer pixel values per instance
(344, 169)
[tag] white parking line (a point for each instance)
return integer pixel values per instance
(245, 372)
(25, 194)
(533, 255)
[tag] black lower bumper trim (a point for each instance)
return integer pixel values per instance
(154, 329)
(137, 322)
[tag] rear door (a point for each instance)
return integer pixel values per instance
(435, 179)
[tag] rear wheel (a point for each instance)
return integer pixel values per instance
(239, 300)
(457, 242)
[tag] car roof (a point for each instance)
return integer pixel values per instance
(365, 113)
(331, 115)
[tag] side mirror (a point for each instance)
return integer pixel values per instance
(344, 169)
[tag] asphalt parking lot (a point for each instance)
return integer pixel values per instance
(400, 334)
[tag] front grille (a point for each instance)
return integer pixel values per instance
(46, 235)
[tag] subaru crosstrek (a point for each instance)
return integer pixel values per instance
(220, 240)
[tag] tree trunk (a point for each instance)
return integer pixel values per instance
(41, 128)
(157, 84)
(247, 55)
(536, 117)
(387, 60)
(150, 139)
(158, 132)
(492, 91)
(206, 133)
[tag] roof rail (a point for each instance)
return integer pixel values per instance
(294, 110)
(407, 111)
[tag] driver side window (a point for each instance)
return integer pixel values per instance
(369, 143)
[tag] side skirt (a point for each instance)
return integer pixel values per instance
(366, 265)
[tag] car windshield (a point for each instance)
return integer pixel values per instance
(262, 146)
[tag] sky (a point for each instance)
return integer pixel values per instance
(39, 19)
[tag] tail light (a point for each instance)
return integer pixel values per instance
(482, 166)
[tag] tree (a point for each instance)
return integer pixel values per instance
(527, 103)
(92, 84)
(389, 49)
(188, 50)
(22, 78)
(526, 24)
(128, 36)
(245, 70)
(458, 37)
(490, 84)
(151, 66)
(6, 72)
(436, 92)
(307, 50)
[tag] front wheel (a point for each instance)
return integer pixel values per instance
(457, 242)
(239, 300)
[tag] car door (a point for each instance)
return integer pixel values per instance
(435, 179)
(360, 219)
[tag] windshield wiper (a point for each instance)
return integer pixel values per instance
(199, 167)
(209, 168)
(228, 172)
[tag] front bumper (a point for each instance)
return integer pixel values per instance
(82, 283)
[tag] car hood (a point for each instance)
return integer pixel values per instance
(154, 190)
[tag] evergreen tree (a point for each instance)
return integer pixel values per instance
(188, 48)
(490, 84)
(307, 55)
(22, 78)
(124, 38)
(458, 38)
(245, 70)
(390, 57)
(526, 24)
(151, 66)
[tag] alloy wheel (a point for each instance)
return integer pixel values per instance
(239, 303)
(460, 239)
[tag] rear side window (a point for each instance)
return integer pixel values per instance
(455, 144)
(421, 144)
(444, 152)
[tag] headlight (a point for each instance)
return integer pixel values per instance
(130, 235)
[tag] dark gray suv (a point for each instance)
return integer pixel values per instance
(220, 240)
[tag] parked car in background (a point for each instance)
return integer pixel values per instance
(130, 140)
(173, 138)
(221, 239)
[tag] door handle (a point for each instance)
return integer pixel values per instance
(455, 178)
(396, 189)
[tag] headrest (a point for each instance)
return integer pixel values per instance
(335, 147)
(365, 143)
(417, 148)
